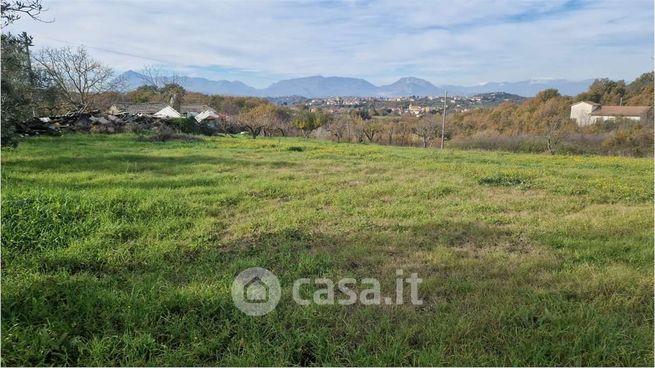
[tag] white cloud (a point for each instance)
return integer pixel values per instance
(445, 42)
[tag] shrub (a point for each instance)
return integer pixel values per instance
(505, 180)
(494, 141)
(632, 141)
(184, 125)
(167, 135)
(579, 144)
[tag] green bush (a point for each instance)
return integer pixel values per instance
(505, 180)
(184, 125)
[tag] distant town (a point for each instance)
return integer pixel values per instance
(398, 106)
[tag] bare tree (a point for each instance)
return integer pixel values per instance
(553, 118)
(78, 77)
(173, 94)
(152, 75)
(370, 128)
(404, 128)
(391, 129)
(339, 127)
(426, 128)
(357, 128)
(12, 10)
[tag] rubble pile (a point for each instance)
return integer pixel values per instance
(91, 122)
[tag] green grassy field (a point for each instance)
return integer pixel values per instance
(116, 251)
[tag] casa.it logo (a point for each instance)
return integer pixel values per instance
(256, 291)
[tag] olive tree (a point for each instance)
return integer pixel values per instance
(19, 81)
(16, 100)
(264, 118)
(251, 121)
(308, 121)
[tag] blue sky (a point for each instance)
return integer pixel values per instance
(445, 42)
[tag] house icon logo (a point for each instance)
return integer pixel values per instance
(256, 291)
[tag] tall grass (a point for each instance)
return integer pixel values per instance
(122, 252)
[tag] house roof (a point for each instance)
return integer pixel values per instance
(167, 112)
(621, 111)
(194, 108)
(151, 108)
(142, 108)
(588, 102)
(207, 114)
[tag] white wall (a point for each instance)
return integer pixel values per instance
(595, 119)
(581, 113)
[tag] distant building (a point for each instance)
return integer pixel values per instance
(417, 110)
(586, 113)
(581, 112)
(636, 113)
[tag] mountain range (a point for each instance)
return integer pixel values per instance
(319, 86)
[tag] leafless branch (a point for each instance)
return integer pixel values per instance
(78, 77)
(12, 10)
(155, 76)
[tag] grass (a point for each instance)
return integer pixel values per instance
(122, 252)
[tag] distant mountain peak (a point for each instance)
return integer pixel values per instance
(411, 80)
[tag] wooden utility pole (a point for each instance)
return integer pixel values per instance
(443, 118)
(27, 42)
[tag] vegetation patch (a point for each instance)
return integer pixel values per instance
(38, 222)
(503, 180)
(169, 136)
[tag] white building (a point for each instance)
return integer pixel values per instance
(417, 110)
(586, 113)
(581, 112)
(636, 113)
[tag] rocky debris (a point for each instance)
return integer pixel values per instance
(38, 126)
(93, 122)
